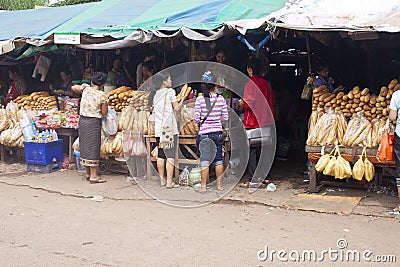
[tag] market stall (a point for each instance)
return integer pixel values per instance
(35, 116)
(352, 124)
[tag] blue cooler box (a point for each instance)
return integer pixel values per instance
(43, 153)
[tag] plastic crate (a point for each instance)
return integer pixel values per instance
(43, 153)
(52, 167)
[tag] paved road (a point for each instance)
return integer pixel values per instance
(44, 228)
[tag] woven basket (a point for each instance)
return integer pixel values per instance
(314, 157)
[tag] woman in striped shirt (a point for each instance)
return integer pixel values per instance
(211, 138)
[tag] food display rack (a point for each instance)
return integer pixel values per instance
(185, 141)
(351, 155)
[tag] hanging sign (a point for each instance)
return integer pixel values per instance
(67, 38)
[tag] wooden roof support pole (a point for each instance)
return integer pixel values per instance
(308, 53)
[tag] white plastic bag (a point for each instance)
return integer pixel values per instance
(110, 122)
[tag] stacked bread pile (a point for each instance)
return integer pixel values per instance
(111, 146)
(187, 124)
(140, 100)
(119, 97)
(36, 101)
(356, 101)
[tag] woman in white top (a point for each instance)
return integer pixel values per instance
(92, 108)
(165, 125)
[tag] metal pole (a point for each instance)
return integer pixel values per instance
(308, 53)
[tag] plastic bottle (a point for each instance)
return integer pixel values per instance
(55, 135)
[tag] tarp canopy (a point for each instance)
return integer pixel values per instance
(335, 15)
(36, 23)
(120, 18)
(122, 23)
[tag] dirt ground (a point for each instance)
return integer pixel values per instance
(59, 219)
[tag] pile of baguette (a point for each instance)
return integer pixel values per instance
(121, 97)
(185, 91)
(326, 128)
(356, 101)
(111, 146)
(331, 128)
(131, 119)
(187, 125)
(36, 101)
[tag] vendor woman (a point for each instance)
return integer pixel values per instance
(65, 87)
(92, 108)
(18, 85)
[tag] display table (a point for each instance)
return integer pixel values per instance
(351, 155)
(71, 133)
(183, 140)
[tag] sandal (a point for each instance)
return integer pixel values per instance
(244, 184)
(397, 209)
(220, 188)
(172, 185)
(201, 190)
(97, 180)
(87, 177)
(254, 185)
(163, 181)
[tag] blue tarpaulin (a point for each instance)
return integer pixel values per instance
(34, 23)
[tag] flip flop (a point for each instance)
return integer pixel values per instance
(220, 189)
(172, 185)
(200, 190)
(97, 181)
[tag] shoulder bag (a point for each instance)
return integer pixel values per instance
(167, 131)
(209, 111)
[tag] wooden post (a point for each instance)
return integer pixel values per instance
(313, 178)
(308, 53)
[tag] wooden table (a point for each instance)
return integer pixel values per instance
(72, 133)
(183, 140)
(350, 154)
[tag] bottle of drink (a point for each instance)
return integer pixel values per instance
(55, 135)
(195, 95)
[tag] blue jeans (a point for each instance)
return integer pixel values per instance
(210, 147)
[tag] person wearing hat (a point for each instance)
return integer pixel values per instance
(210, 111)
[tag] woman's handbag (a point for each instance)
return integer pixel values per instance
(167, 131)
(259, 136)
